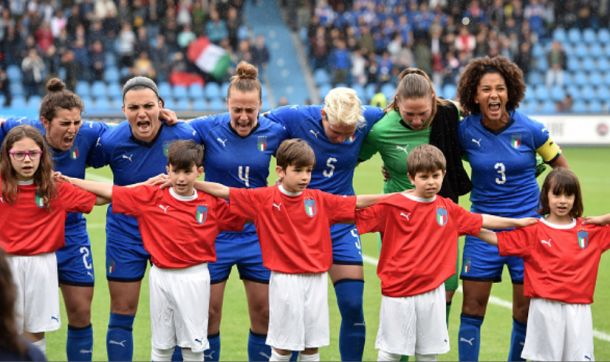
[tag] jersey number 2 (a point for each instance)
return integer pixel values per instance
(331, 168)
(502, 171)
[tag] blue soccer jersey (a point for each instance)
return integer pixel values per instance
(503, 164)
(335, 165)
(133, 161)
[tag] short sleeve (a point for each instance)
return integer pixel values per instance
(76, 199)
(516, 242)
(95, 157)
(203, 125)
(129, 200)
(247, 202)
(468, 223)
(369, 147)
(371, 115)
(339, 208)
(286, 116)
(539, 132)
(227, 220)
(371, 219)
(549, 151)
(604, 237)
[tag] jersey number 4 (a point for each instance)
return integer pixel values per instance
(331, 168)
(244, 174)
(502, 171)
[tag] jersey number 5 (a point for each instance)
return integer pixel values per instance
(501, 170)
(331, 168)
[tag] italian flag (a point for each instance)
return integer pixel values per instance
(209, 57)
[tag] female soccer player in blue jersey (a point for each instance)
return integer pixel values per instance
(501, 144)
(238, 148)
(336, 131)
(136, 151)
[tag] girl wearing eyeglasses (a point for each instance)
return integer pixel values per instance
(33, 211)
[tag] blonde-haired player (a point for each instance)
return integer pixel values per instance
(335, 131)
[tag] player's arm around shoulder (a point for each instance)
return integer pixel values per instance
(597, 220)
(364, 201)
(102, 190)
(213, 188)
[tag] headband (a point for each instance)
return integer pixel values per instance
(140, 82)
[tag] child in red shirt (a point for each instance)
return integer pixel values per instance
(561, 255)
(33, 211)
(418, 253)
(293, 226)
(179, 226)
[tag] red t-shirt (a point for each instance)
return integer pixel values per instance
(419, 247)
(561, 261)
(294, 231)
(27, 228)
(177, 231)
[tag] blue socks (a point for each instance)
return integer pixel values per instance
(213, 353)
(177, 356)
(257, 349)
(517, 340)
(353, 329)
(79, 346)
(469, 337)
(119, 339)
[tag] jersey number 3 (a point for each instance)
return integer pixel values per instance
(502, 171)
(331, 168)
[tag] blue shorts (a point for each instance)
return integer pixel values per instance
(482, 262)
(347, 249)
(126, 259)
(243, 250)
(74, 261)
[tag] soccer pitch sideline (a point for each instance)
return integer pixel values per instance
(588, 164)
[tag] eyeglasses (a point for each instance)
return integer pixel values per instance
(20, 156)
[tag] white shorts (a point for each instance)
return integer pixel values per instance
(416, 324)
(558, 332)
(298, 311)
(179, 304)
(37, 304)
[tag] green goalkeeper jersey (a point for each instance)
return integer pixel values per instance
(393, 139)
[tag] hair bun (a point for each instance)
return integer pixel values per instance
(246, 70)
(55, 85)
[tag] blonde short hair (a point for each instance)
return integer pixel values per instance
(343, 107)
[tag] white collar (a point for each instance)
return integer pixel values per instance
(419, 199)
(288, 193)
(25, 183)
(183, 198)
(555, 226)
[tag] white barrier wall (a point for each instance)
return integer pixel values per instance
(578, 130)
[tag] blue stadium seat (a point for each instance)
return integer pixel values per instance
(603, 36)
(16, 89)
(607, 50)
(535, 78)
(217, 105)
(359, 91)
(596, 51)
(581, 51)
(603, 93)
(115, 90)
(557, 93)
(196, 92)
(180, 92)
(560, 35)
(579, 78)
(388, 90)
(323, 91)
(574, 36)
(574, 91)
(224, 89)
(183, 104)
(264, 92)
(595, 107)
(589, 36)
(369, 91)
(449, 91)
(34, 102)
(13, 73)
(596, 79)
(200, 105)
(110, 59)
(242, 32)
(82, 89)
(168, 102)
(587, 64)
(538, 51)
(341, 85)
(579, 107)
(2, 100)
(165, 90)
(111, 74)
(18, 102)
(117, 102)
(266, 106)
(98, 89)
(603, 65)
(607, 79)
(542, 64)
(212, 91)
(548, 106)
(541, 93)
(573, 64)
(101, 104)
(525, 107)
(568, 48)
(587, 93)
(321, 77)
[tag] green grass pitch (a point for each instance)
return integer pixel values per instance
(588, 165)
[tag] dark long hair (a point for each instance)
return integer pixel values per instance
(561, 181)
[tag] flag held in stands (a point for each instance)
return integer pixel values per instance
(209, 57)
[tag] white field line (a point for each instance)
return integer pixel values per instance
(494, 300)
(98, 178)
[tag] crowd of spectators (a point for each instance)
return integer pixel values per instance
(77, 40)
(372, 41)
